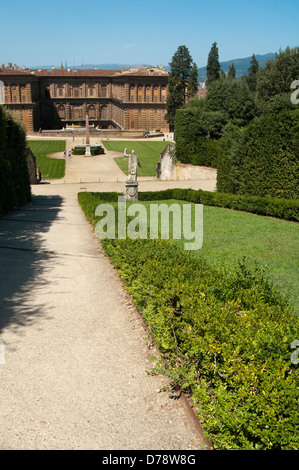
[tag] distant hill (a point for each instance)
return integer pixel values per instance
(91, 66)
(241, 65)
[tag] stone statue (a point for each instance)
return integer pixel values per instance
(131, 183)
(132, 166)
(133, 163)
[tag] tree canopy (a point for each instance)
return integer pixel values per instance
(182, 82)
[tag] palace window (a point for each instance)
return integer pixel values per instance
(140, 94)
(103, 91)
(148, 94)
(104, 112)
(92, 112)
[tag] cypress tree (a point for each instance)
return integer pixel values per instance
(213, 65)
(193, 82)
(252, 73)
(232, 71)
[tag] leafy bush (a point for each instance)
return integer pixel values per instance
(225, 339)
(274, 80)
(234, 99)
(264, 161)
(94, 150)
(197, 134)
(14, 177)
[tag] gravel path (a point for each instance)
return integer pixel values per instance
(76, 353)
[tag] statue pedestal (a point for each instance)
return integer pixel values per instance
(87, 151)
(131, 191)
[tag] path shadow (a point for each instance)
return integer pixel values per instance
(23, 260)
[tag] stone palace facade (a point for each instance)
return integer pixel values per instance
(122, 99)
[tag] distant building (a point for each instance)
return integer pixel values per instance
(123, 99)
(201, 93)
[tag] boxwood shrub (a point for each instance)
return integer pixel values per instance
(224, 339)
(94, 150)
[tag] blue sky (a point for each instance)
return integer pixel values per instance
(137, 32)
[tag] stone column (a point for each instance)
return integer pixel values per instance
(87, 149)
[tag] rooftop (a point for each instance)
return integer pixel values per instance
(96, 72)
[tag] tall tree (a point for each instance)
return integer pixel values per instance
(193, 82)
(181, 66)
(231, 71)
(213, 65)
(252, 73)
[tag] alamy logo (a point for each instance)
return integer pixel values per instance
(295, 94)
(177, 221)
(2, 95)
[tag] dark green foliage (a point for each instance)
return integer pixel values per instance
(213, 65)
(225, 338)
(181, 82)
(193, 82)
(256, 150)
(234, 99)
(276, 77)
(231, 71)
(14, 178)
(196, 134)
(263, 160)
(201, 124)
(251, 78)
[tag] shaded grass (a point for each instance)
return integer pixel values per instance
(148, 154)
(51, 168)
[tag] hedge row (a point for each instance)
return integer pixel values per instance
(14, 177)
(94, 150)
(225, 339)
(263, 161)
(287, 209)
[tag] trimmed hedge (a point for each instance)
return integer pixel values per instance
(225, 339)
(287, 209)
(264, 161)
(94, 150)
(14, 177)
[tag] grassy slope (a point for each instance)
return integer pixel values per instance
(50, 167)
(148, 154)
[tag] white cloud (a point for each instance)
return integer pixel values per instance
(129, 45)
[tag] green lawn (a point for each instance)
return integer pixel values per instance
(51, 168)
(148, 154)
(229, 235)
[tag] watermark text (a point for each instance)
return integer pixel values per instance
(176, 221)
